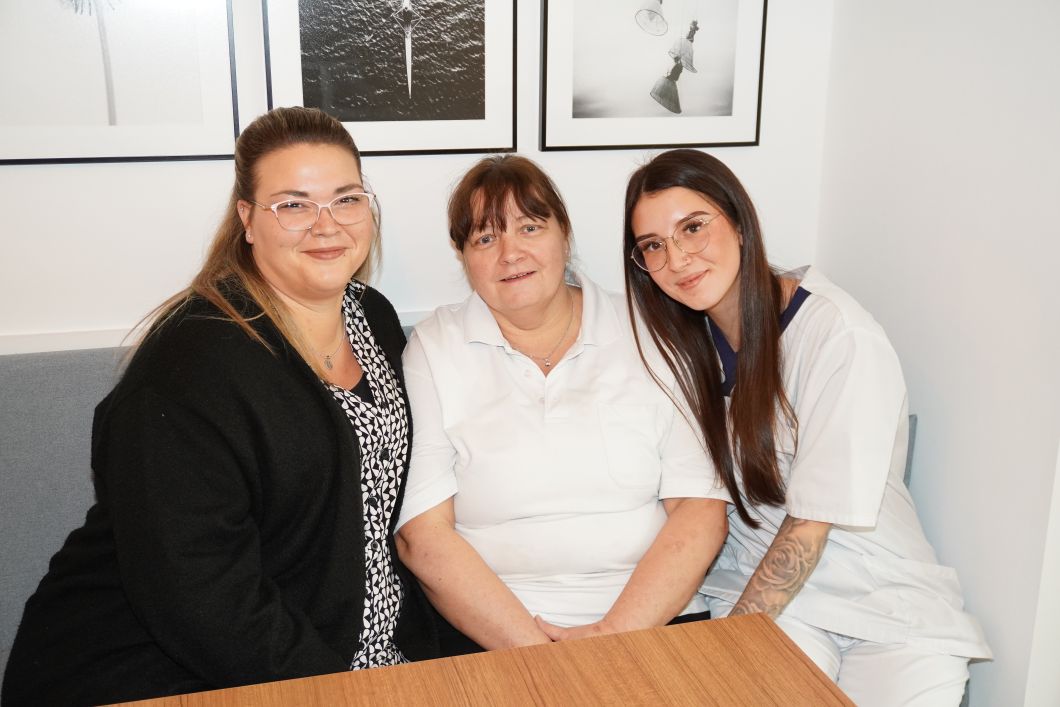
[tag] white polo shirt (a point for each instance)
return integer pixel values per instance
(878, 578)
(557, 480)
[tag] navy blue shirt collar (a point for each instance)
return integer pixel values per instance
(724, 349)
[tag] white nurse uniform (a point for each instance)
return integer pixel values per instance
(557, 481)
(878, 582)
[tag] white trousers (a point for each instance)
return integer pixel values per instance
(876, 674)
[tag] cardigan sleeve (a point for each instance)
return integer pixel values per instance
(189, 551)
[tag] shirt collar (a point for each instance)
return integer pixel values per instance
(600, 324)
(729, 357)
(600, 320)
(479, 324)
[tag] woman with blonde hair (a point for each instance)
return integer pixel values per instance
(250, 463)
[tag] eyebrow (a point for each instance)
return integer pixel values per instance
(521, 218)
(638, 239)
(352, 186)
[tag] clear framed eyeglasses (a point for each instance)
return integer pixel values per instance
(302, 214)
(690, 237)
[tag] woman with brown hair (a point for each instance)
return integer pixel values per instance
(250, 463)
(554, 492)
(800, 398)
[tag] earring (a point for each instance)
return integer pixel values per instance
(249, 236)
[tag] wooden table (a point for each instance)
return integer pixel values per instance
(744, 660)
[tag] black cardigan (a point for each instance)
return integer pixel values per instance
(226, 546)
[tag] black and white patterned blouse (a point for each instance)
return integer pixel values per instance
(376, 410)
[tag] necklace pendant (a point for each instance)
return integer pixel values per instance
(547, 362)
(327, 363)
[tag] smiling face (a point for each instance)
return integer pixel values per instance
(517, 270)
(316, 264)
(707, 281)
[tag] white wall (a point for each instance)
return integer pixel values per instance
(941, 176)
(1043, 679)
(91, 248)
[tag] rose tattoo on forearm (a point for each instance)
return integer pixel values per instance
(787, 565)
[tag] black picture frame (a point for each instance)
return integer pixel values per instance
(595, 99)
(466, 103)
(29, 134)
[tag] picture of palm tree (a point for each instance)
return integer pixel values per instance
(109, 79)
(96, 7)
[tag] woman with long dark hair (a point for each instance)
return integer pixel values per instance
(801, 401)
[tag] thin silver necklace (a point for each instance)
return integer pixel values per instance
(547, 358)
(328, 364)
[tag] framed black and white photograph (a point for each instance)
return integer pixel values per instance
(405, 76)
(651, 73)
(116, 80)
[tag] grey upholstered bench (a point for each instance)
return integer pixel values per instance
(45, 475)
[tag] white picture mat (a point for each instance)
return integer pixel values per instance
(495, 131)
(206, 130)
(561, 130)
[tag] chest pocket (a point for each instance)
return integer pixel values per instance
(631, 437)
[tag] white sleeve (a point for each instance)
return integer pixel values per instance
(848, 412)
(431, 477)
(687, 470)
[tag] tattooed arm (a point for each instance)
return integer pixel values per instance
(787, 565)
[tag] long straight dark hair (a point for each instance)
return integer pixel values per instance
(682, 336)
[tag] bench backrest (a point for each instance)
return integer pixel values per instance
(45, 476)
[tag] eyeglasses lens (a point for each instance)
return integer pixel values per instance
(690, 237)
(347, 210)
